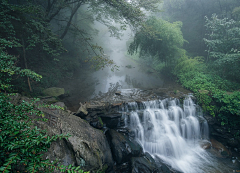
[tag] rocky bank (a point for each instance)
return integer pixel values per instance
(99, 141)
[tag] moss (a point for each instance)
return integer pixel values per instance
(100, 120)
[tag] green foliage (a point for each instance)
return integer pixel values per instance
(26, 32)
(159, 39)
(185, 64)
(25, 24)
(21, 144)
(122, 12)
(216, 95)
(191, 13)
(223, 46)
(24, 36)
(8, 67)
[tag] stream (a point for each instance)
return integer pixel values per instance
(88, 83)
(170, 132)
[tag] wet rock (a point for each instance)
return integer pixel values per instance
(220, 148)
(220, 130)
(118, 93)
(124, 131)
(122, 168)
(88, 119)
(205, 144)
(111, 119)
(211, 120)
(146, 164)
(232, 142)
(96, 123)
(149, 157)
(122, 147)
(163, 168)
(201, 119)
(143, 165)
(93, 114)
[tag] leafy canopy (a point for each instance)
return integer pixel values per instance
(223, 44)
(158, 38)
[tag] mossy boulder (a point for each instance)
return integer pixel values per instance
(54, 91)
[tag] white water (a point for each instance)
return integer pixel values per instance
(172, 134)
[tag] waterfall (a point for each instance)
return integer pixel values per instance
(171, 133)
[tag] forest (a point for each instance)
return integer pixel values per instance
(195, 42)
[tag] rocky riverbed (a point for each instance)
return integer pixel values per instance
(100, 140)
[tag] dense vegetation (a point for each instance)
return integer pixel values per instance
(160, 39)
(211, 30)
(54, 38)
(42, 42)
(34, 38)
(21, 145)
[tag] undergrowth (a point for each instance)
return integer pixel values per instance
(219, 97)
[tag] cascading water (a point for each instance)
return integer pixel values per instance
(172, 134)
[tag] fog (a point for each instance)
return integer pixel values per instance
(87, 83)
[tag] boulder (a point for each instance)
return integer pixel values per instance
(143, 165)
(123, 148)
(82, 111)
(96, 123)
(146, 164)
(220, 148)
(232, 142)
(86, 145)
(205, 144)
(111, 119)
(164, 168)
(53, 91)
(62, 151)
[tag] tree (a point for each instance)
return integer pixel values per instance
(31, 24)
(192, 14)
(105, 11)
(25, 37)
(160, 39)
(223, 44)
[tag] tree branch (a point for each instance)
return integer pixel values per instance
(70, 19)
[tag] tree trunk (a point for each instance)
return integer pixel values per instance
(70, 20)
(25, 63)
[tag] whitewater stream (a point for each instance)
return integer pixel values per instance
(172, 133)
(169, 131)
